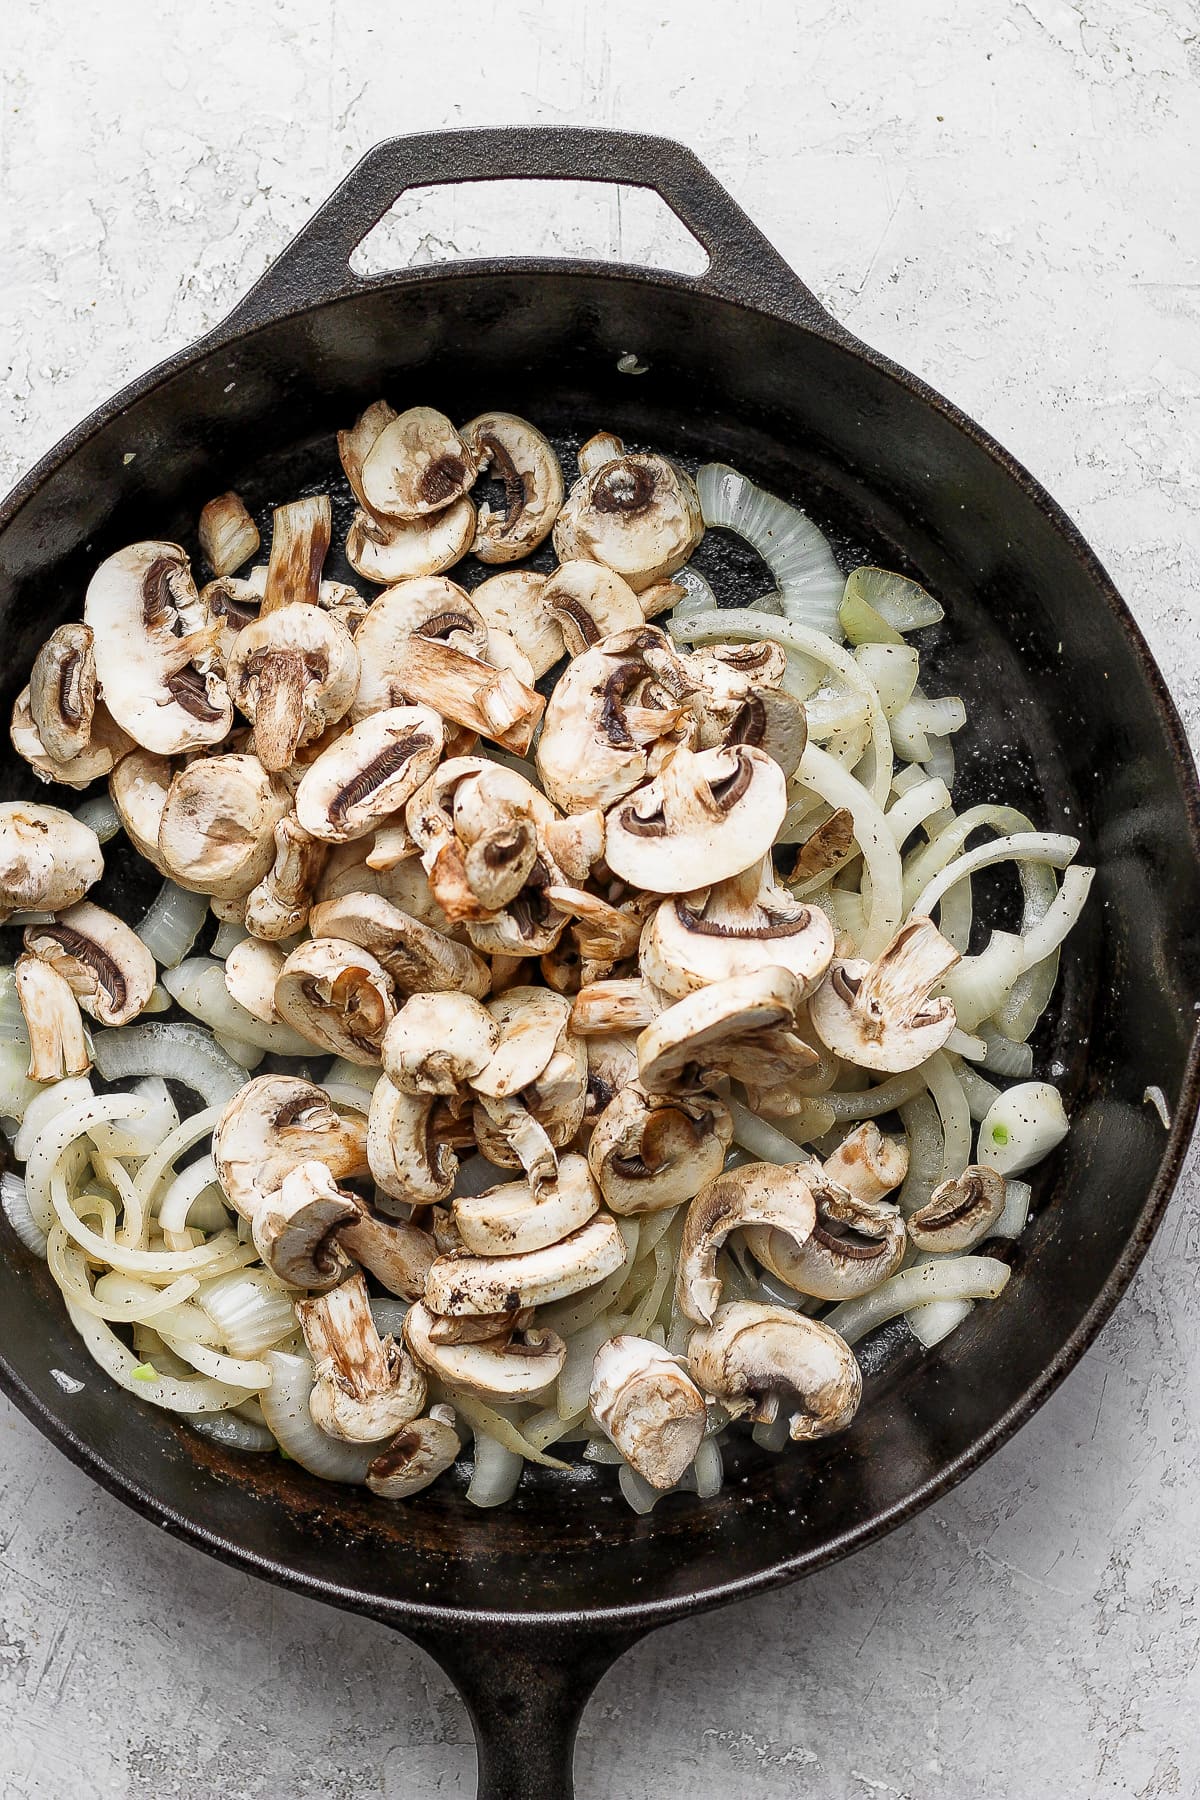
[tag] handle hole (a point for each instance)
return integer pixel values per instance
(600, 221)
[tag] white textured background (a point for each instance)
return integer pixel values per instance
(1009, 204)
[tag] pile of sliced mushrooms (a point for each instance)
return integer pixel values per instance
(603, 1040)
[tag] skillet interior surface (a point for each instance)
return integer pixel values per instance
(1067, 719)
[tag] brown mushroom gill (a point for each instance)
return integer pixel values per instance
(381, 768)
(624, 487)
(85, 950)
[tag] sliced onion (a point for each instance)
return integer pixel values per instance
(931, 1323)
(251, 1308)
(237, 1371)
(246, 1056)
(955, 1115)
(176, 1204)
(1043, 939)
(637, 1490)
(46, 1105)
(902, 603)
(1028, 846)
(12, 1020)
(61, 1130)
(764, 1141)
(980, 1093)
(892, 670)
(184, 1137)
(285, 1409)
(1004, 1058)
(15, 1205)
(1012, 1221)
(199, 987)
(122, 1299)
(231, 1429)
(228, 935)
(922, 801)
(172, 923)
(979, 985)
(930, 859)
(219, 1254)
(806, 573)
(825, 776)
(871, 1102)
(187, 1051)
(1022, 1126)
(101, 816)
(575, 1378)
(926, 1149)
(947, 1278)
(697, 596)
(494, 1422)
(138, 1137)
(496, 1473)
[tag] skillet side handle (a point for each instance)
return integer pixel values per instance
(525, 1688)
(743, 265)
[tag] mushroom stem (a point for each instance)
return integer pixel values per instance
(300, 538)
(57, 1043)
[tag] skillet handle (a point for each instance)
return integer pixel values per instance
(525, 1688)
(743, 266)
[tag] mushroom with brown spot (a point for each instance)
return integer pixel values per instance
(409, 1160)
(756, 1194)
(746, 922)
(624, 1003)
(62, 691)
(417, 956)
(855, 1244)
(740, 701)
(48, 859)
(460, 1283)
(228, 535)
(272, 1125)
(880, 1015)
(515, 453)
(292, 672)
(740, 1027)
(434, 608)
(337, 996)
(961, 1212)
(753, 1359)
(417, 464)
(637, 514)
(512, 603)
(588, 603)
(278, 906)
(368, 773)
(367, 1387)
(708, 816)
(512, 1218)
(438, 1042)
(105, 963)
(648, 1406)
(216, 831)
(58, 1045)
(652, 1153)
(300, 537)
(416, 1456)
(520, 1366)
(106, 745)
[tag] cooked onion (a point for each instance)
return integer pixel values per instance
(809, 582)
(172, 923)
(188, 1051)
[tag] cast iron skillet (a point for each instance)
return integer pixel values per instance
(526, 1607)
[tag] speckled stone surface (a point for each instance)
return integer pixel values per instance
(1008, 204)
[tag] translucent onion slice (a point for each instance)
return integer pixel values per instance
(231, 1429)
(15, 1206)
(697, 595)
(138, 1137)
(199, 987)
(45, 1106)
(172, 923)
(16, 1090)
(948, 1278)
(237, 1371)
(251, 1308)
(176, 1204)
(495, 1422)
(184, 1137)
(52, 1141)
(1004, 1058)
(901, 603)
(188, 1051)
(12, 1019)
(765, 1142)
(1027, 846)
(930, 1324)
(807, 576)
(1012, 1221)
(101, 816)
(496, 1474)
(219, 1254)
(955, 1115)
(926, 1148)
(1022, 1126)
(285, 1409)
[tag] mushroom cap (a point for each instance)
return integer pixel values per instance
(514, 452)
(390, 550)
(418, 464)
(149, 629)
(251, 970)
(512, 603)
(418, 957)
(105, 747)
(437, 1042)
(738, 1027)
(647, 1404)
(216, 830)
(751, 1357)
(460, 1283)
(367, 1387)
(648, 1155)
(408, 1160)
(62, 691)
(337, 996)
(507, 1134)
(737, 926)
(639, 515)
(416, 1456)
(879, 1015)
(854, 1245)
(961, 1211)
(47, 858)
(295, 1228)
(138, 787)
(708, 816)
(431, 607)
(510, 1219)
(107, 966)
(504, 1369)
(530, 1023)
(272, 1125)
(293, 672)
(589, 603)
(368, 773)
(867, 1163)
(779, 1195)
(279, 905)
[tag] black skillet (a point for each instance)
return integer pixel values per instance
(527, 1606)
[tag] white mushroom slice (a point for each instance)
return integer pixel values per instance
(477, 827)
(418, 464)
(230, 604)
(105, 747)
(600, 449)
(295, 1228)
(493, 702)
(660, 598)
(706, 817)
(740, 1027)
(138, 786)
(105, 963)
(518, 1369)
(416, 1456)
(507, 1134)
(762, 1194)
(617, 1005)
(740, 701)
(228, 535)
(530, 1023)
(637, 514)
(279, 905)
(879, 1015)
(152, 638)
(511, 1219)
(616, 714)
(338, 997)
(367, 1387)
(612, 1064)
(528, 926)
(438, 1042)
(753, 1359)
(960, 1212)
(292, 672)
(461, 1283)
(272, 1125)
(409, 1160)
(575, 844)
(603, 934)
(512, 603)
(855, 1244)
(216, 834)
(353, 445)
(482, 1328)
(649, 1155)
(391, 844)
(47, 859)
(418, 957)
(62, 691)
(867, 1163)
(432, 608)
(58, 1046)
(368, 773)
(300, 535)
(396, 1252)
(251, 970)
(514, 452)
(646, 1403)
(391, 550)
(748, 922)
(588, 602)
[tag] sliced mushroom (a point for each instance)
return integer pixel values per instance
(477, 826)
(418, 957)
(747, 922)
(603, 934)
(105, 747)
(507, 1134)
(251, 970)
(868, 1163)
(354, 445)
(529, 925)
(576, 843)
(741, 1027)
(438, 1042)
(708, 816)
(152, 639)
(960, 1212)
(416, 1456)
(105, 963)
(367, 1387)
(880, 1015)
(337, 996)
(531, 1023)
(647, 1404)
(433, 608)
(216, 834)
(615, 716)
(599, 450)
(300, 535)
(62, 691)
(762, 1194)
(588, 603)
(58, 1045)
(293, 672)
(512, 603)
(396, 1252)
(272, 1125)
(652, 1154)
(228, 535)
(517, 1368)
(741, 702)
(139, 785)
(418, 464)
(825, 848)
(296, 1227)
(279, 905)
(514, 452)
(409, 1161)
(368, 773)
(47, 859)
(855, 1244)
(612, 1064)
(616, 1005)
(754, 1358)
(465, 689)
(391, 550)
(513, 1218)
(460, 1283)
(639, 515)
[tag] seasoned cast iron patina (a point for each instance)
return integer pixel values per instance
(525, 1607)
